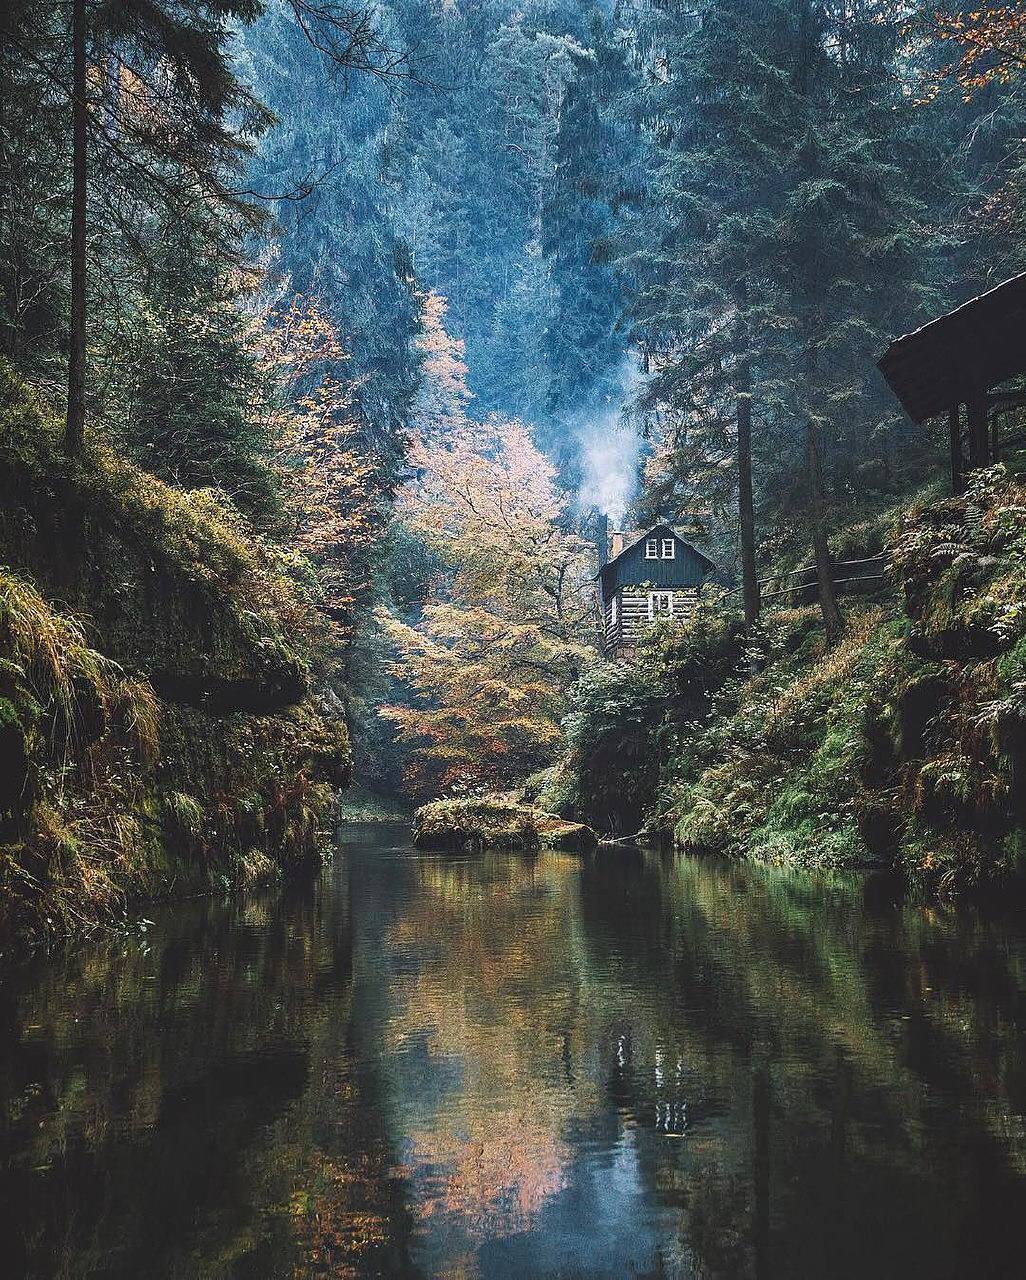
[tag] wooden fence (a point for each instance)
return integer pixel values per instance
(846, 573)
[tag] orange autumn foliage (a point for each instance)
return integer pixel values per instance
(992, 45)
(989, 45)
(333, 488)
(509, 621)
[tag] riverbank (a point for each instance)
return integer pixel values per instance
(165, 713)
(903, 745)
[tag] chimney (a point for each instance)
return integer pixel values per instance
(615, 543)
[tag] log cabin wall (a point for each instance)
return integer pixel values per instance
(632, 610)
(651, 574)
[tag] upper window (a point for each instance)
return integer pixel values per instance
(652, 549)
(669, 548)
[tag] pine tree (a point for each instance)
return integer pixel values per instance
(707, 242)
(852, 264)
(584, 347)
(791, 246)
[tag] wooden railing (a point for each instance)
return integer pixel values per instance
(844, 572)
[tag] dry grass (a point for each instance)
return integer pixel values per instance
(830, 668)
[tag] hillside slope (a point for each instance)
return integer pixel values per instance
(165, 714)
(904, 745)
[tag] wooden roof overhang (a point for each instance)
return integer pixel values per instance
(954, 358)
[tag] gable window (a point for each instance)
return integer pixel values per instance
(669, 549)
(660, 605)
(652, 549)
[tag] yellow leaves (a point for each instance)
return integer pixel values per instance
(509, 620)
(330, 482)
(444, 391)
(992, 47)
(500, 637)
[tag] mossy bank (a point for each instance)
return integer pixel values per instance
(903, 745)
(167, 717)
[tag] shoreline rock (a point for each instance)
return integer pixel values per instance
(490, 823)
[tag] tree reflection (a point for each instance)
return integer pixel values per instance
(490, 1007)
(881, 1044)
(506, 1067)
(182, 1102)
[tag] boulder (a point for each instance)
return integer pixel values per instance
(496, 823)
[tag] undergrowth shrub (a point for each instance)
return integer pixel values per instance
(627, 720)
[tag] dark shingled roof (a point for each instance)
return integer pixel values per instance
(641, 534)
(973, 348)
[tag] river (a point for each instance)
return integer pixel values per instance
(633, 1065)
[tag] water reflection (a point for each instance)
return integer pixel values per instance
(504, 1067)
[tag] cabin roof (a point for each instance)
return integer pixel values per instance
(970, 349)
(647, 533)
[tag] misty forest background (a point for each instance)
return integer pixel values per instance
(386, 308)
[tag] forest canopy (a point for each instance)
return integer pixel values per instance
(429, 294)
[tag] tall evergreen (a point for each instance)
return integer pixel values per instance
(783, 244)
(585, 346)
(705, 259)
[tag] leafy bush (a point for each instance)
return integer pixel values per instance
(628, 721)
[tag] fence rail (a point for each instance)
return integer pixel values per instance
(872, 569)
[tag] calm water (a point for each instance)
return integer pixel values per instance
(502, 1067)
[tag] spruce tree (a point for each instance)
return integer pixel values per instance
(783, 243)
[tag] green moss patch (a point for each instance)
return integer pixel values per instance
(492, 823)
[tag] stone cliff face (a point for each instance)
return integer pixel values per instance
(164, 711)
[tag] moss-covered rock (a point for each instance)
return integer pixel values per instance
(496, 823)
(161, 716)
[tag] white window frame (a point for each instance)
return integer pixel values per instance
(653, 611)
(669, 549)
(651, 548)
(614, 608)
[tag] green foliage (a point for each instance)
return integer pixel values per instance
(777, 771)
(783, 242)
(185, 392)
(629, 721)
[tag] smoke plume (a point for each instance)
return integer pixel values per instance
(609, 449)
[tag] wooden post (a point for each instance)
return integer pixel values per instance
(979, 433)
(955, 434)
(746, 509)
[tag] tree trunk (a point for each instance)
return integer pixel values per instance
(832, 621)
(955, 446)
(746, 509)
(75, 428)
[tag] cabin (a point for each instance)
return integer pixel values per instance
(649, 574)
(961, 364)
